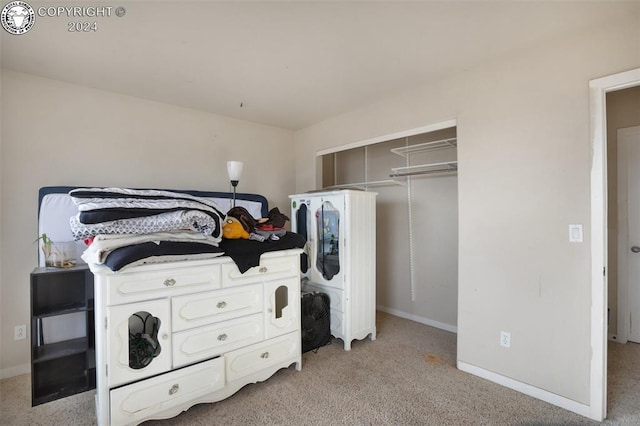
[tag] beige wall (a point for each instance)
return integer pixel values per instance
(623, 110)
(55, 133)
(524, 155)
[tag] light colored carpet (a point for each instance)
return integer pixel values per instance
(406, 377)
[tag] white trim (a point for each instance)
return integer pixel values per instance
(622, 328)
(421, 320)
(598, 89)
(398, 135)
(18, 370)
(546, 396)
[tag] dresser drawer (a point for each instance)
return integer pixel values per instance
(205, 342)
(268, 269)
(247, 361)
(199, 309)
(138, 401)
(136, 286)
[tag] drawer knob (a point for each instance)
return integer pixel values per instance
(222, 337)
(175, 388)
(262, 269)
(222, 305)
(169, 282)
(165, 336)
(264, 355)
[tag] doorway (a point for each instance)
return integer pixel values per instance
(624, 296)
(598, 90)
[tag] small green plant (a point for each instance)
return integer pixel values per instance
(47, 244)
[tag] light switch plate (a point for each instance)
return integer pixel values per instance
(575, 233)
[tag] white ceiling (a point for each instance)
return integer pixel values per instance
(288, 64)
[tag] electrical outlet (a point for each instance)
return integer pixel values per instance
(20, 332)
(505, 339)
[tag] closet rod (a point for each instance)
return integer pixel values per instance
(427, 172)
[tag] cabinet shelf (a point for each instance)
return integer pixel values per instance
(66, 309)
(427, 168)
(57, 350)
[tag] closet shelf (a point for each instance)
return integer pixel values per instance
(374, 183)
(404, 151)
(424, 169)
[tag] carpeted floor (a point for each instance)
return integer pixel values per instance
(406, 377)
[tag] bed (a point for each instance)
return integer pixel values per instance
(57, 204)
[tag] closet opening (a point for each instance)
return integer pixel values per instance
(414, 174)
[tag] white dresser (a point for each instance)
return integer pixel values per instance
(340, 227)
(172, 335)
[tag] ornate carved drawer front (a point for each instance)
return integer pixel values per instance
(205, 342)
(135, 402)
(269, 269)
(199, 309)
(137, 286)
(247, 361)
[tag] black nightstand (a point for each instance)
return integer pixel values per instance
(67, 367)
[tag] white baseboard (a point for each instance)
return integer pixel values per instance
(18, 370)
(421, 320)
(551, 398)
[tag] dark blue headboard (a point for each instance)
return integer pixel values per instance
(208, 194)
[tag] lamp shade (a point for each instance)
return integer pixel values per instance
(234, 169)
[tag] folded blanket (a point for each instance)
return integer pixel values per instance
(179, 220)
(104, 244)
(163, 251)
(131, 211)
(99, 198)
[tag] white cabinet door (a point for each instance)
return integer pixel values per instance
(282, 299)
(328, 239)
(138, 341)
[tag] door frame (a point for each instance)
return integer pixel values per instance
(598, 90)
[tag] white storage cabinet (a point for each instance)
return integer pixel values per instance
(172, 335)
(340, 256)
